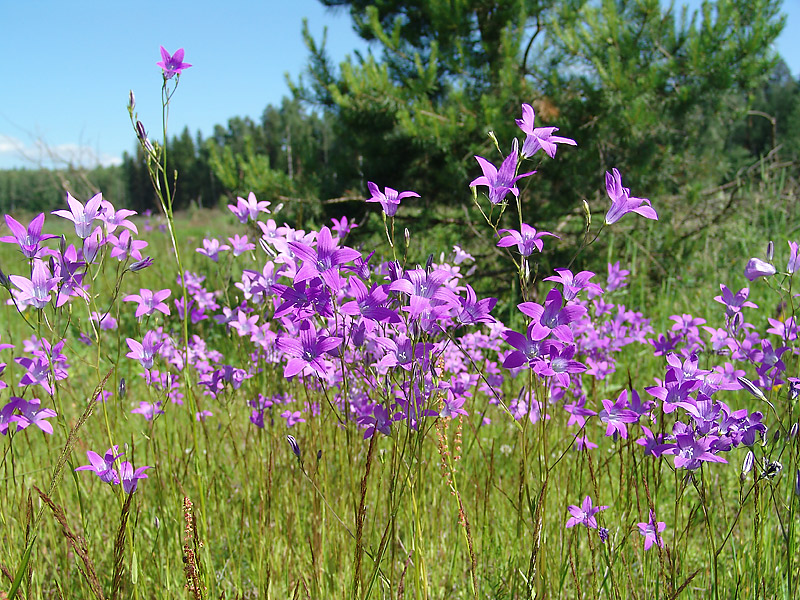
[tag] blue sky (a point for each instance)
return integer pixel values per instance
(66, 88)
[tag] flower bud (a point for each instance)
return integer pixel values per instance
(747, 465)
(407, 236)
(587, 214)
(793, 431)
(797, 483)
(751, 387)
(770, 250)
(122, 389)
(131, 101)
(319, 455)
(293, 444)
(141, 264)
(4, 281)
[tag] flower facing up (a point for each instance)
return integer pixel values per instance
(149, 301)
(526, 240)
(584, 514)
(652, 532)
(389, 198)
(172, 65)
(82, 216)
(27, 239)
(248, 209)
(622, 202)
(500, 182)
(103, 466)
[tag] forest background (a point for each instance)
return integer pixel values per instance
(695, 108)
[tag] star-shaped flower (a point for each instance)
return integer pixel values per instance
(172, 65)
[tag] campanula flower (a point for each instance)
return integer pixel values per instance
(584, 514)
(172, 65)
(622, 202)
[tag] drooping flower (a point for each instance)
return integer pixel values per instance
(756, 268)
(172, 65)
(622, 202)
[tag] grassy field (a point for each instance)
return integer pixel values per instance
(457, 505)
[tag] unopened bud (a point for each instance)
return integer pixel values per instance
(587, 214)
(293, 444)
(407, 236)
(793, 431)
(4, 281)
(122, 389)
(319, 455)
(776, 437)
(747, 465)
(429, 264)
(797, 483)
(141, 264)
(751, 387)
(131, 101)
(770, 250)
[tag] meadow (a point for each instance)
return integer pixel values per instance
(221, 405)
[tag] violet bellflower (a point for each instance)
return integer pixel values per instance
(248, 209)
(500, 182)
(538, 138)
(149, 302)
(28, 239)
(527, 239)
(146, 351)
(36, 290)
(82, 216)
(130, 478)
(172, 64)
(652, 532)
(324, 260)
(103, 466)
(389, 199)
(307, 352)
(756, 268)
(616, 415)
(621, 201)
(584, 514)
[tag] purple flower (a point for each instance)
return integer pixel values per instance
(248, 209)
(240, 245)
(27, 239)
(324, 260)
(794, 259)
(474, 310)
(36, 290)
(690, 451)
(146, 351)
(573, 284)
(116, 218)
(292, 417)
(527, 239)
(652, 532)
(149, 302)
(83, 217)
(584, 514)
(389, 198)
(103, 466)
(307, 351)
(147, 410)
(539, 138)
(342, 226)
(124, 246)
(500, 182)
(127, 476)
(172, 65)
(211, 248)
(31, 413)
(621, 201)
(734, 302)
(615, 415)
(756, 268)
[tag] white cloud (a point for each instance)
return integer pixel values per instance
(15, 153)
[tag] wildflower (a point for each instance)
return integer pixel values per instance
(293, 444)
(172, 65)
(36, 290)
(389, 198)
(130, 478)
(116, 218)
(240, 245)
(538, 138)
(141, 264)
(527, 239)
(82, 216)
(146, 351)
(689, 451)
(756, 268)
(211, 248)
(148, 411)
(103, 466)
(794, 259)
(621, 201)
(292, 417)
(248, 209)
(324, 260)
(149, 301)
(734, 302)
(652, 531)
(584, 514)
(500, 182)
(31, 413)
(27, 239)
(603, 534)
(307, 351)
(342, 226)
(124, 246)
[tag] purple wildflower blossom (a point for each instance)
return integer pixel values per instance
(128, 477)
(526, 240)
(82, 216)
(149, 301)
(500, 182)
(539, 138)
(584, 514)
(103, 466)
(27, 239)
(172, 64)
(389, 198)
(652, 531)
